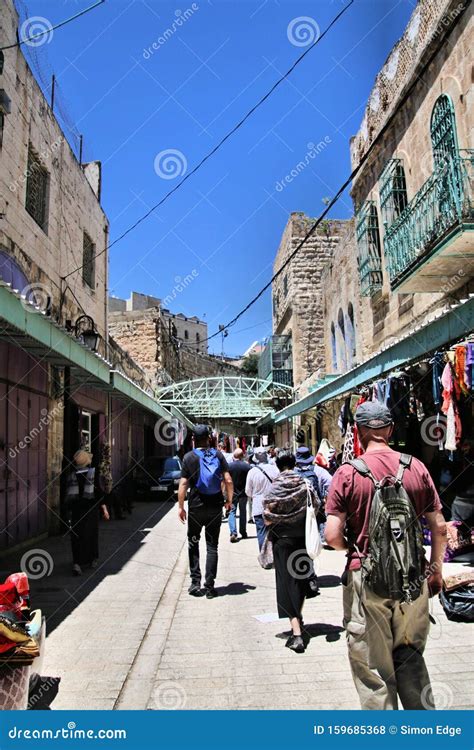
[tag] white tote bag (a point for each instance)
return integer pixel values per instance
(313, 541)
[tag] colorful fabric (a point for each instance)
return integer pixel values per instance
(460, 369)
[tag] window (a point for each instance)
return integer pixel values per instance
(186, 335)
(88, 261)
(350, 335)
(393, 191)
(443, 131)
(198, 341)
(37, 180)
(285, 285)
(370, 250)
(341, 340)
(333, 348)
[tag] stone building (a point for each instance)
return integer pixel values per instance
(164, 344)
(62, 385)
(188, 330)
(412, 288)
(297, 294)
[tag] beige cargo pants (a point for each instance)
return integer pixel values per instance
(386, 641)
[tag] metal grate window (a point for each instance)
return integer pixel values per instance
(370, 249)
(36, 189)
(88, 261)
(393, 191)
(443, 131)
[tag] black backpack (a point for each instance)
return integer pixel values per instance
(395, 565)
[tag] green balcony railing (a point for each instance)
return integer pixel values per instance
(442, 203)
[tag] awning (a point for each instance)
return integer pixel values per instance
(23, 325)
(445, 328)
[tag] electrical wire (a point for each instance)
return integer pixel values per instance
(224, 138)
(32, 38)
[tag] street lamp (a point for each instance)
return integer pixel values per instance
(84, 329)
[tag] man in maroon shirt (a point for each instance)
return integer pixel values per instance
(386, 638)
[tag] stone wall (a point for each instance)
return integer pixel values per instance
(72, 206)
(297, 293)
(145, 336)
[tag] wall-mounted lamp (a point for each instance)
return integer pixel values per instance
(84, 329)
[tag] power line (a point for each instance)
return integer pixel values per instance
(49, 29)
(318, 221)
(225, 137)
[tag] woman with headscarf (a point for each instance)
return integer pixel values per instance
(84, 512)
(284, 513)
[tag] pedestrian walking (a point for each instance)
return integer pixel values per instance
(204, 472)
(380, 500)
(258, 483)
(284, 514)
(84, 509)
(238, 470)
(319, 477)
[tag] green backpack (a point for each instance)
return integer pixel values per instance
(395, 565)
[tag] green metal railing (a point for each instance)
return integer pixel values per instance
(443, 202)
(370, 251)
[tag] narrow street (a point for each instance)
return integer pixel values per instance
(128, 635)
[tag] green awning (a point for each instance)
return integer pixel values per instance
(447, 328)
(132, 392)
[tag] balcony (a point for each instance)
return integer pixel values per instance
(276, 361)
(430, 244)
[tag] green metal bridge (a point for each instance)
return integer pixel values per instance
(225, 398)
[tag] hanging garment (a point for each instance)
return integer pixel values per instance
(348, 451)
(469, 364)
(437, 364)
(460, 368)
(450, 441)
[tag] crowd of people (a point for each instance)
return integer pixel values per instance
(386, 582)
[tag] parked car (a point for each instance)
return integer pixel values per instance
(157, 478)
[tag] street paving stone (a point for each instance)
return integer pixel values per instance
(128, 635)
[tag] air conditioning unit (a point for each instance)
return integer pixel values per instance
(5, 103)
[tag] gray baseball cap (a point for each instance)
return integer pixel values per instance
(374, 415)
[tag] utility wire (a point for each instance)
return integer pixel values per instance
(19, 42)
(225, 137)
(351, 177)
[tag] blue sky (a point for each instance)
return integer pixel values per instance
(133, 102)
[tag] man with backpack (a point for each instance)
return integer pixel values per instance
(378, 501)
(204, 473)
(319, 477)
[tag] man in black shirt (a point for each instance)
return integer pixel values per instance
(205, 471)
(238, 470)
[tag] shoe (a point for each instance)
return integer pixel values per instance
(251, 521)
(233, 537)
(76, 570)
(195, 590)
(244, 535)
(211, 593)
(296, 643)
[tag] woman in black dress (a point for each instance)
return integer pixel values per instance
(81, 496)
(284, 512)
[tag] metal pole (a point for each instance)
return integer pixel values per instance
(80, 149)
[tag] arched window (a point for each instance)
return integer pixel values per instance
(443, 131)
(350, 335)
(186, 335)
(341, 341)
(393, 191)
(333, 348)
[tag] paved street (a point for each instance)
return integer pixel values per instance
(130, 637)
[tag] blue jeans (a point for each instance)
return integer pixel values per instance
(242, 503)
(261, 530)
